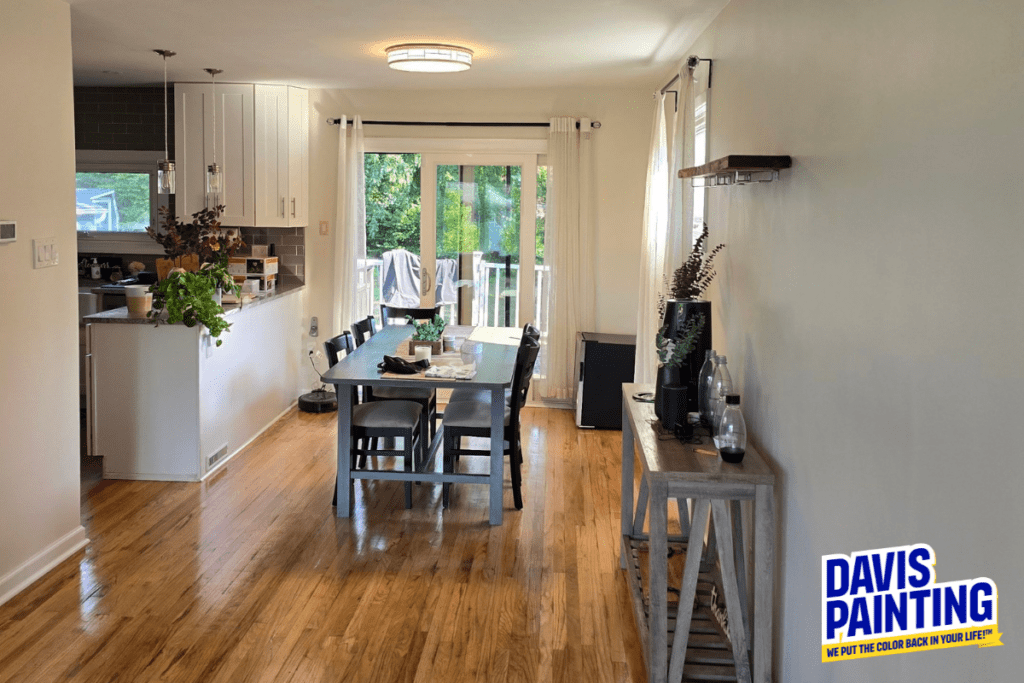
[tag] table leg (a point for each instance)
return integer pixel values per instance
(764, 562)
(627, 475)
(688, 589)
(497, 454)
(344, 451)
(726, 556)
(740, 553)
(657, 561)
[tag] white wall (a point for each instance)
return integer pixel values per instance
(620, 157)
(871, 299)
(39, 439)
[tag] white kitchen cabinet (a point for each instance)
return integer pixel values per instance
(194, 147)
(298, 155)
(273, 194)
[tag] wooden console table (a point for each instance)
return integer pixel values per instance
(674, 651)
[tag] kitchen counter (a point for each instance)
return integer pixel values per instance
(120, 315)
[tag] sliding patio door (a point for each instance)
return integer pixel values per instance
(478, 237)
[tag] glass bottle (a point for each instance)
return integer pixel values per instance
(731, 438)
(704, 380)
(721, 386)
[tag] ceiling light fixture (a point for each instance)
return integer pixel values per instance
(429, 57)
(165, 169)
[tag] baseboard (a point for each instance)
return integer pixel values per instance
(226, 459)
(45, 560)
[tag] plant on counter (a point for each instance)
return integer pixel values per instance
(203, 236)
(429, 330)
(672, 352)
(189, 297)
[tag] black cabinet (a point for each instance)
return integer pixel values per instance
(605, 363)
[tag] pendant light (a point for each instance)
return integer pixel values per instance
(165, 169)
(214, 175)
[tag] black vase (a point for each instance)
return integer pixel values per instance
(667, 377)
(677, 311)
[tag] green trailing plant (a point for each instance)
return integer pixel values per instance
(672, 352)
(429, 330)
(188, 297)
(695, 275)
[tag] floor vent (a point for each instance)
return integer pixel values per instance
(216, 457)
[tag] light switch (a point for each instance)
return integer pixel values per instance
(324, 229)
(44, 252)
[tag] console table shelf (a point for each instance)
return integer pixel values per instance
(685, 639)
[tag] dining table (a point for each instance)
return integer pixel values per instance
(494, 356)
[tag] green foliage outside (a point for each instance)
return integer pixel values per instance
(131, 191)
(488, 221)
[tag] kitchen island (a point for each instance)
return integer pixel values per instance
(168, 404)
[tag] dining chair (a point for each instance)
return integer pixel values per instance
(473, 418)
(388, 313)
(425, 396)
(363, 330)
(376, 419)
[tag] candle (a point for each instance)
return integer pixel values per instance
(423, 353)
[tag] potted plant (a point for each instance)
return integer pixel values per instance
(673, 354)
(427, 333)
(192, 295)
(688, 284)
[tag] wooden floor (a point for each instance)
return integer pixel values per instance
(251, 577)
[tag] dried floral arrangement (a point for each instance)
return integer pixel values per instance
(695, 275)
(203, 236)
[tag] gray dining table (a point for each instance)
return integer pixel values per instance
(495, 365)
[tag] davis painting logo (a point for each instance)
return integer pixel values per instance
(886, 602)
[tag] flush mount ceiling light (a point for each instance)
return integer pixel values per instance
(429, 57)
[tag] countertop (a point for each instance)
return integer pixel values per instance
(120, 315)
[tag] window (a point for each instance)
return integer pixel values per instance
(116, 200)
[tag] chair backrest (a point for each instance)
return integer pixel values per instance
(334, 347)
(388, 313)
(526, 360)
(363, 330)
(530, 331)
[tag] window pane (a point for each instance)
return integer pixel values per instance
(112, 202)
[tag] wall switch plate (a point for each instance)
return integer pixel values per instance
(44, 253)
(324, 228)
(8, 231)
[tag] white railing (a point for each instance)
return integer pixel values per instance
(489, 302)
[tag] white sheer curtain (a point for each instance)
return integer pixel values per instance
(568, 252)
(680, 220)
(350, 226)
(654, 242)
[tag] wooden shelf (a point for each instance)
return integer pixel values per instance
(738, 162)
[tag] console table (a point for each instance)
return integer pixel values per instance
(677, 647)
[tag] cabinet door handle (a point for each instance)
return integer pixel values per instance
(293, 207)
(282, 207)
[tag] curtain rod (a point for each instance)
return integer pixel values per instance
(483, 124)
(691, 62)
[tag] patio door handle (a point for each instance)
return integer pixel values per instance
(425, 283)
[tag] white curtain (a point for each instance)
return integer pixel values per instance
(350, 226)
(568, 253)
(653, 245)
(680, 219)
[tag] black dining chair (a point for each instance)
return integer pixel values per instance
(376, 419)
(363, 330)
(389, 313)
(425, 396)
(473, 418)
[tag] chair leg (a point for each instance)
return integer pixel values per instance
(448, 447)
(514, 459)
(407, 457)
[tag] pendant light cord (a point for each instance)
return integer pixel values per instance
(213, 79)
(165, 109)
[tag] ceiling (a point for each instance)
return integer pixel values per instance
(340, 43)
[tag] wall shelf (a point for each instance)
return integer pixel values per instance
(737, 169)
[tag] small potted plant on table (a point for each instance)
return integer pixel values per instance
(427, 333)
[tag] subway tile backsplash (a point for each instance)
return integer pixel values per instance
(289, 247)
